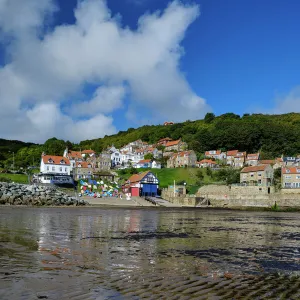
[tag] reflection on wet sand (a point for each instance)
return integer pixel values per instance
(93, 253)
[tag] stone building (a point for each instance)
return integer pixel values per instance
(290, 178)
(178, 145)
(257, 175)
(82, 170)
(103, 162)
(182, 159)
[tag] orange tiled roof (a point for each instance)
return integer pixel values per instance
(240, 154)
(232, 152)
(291, 170)
(137, 177)
(218, 152)
(83, 164)
(254, 169)
(207, 161)
(88, 152)
(75, 154)
(267, 162)
(172, 143)
(182, 153)
(56, 159)
(144, 161)
(165, 139)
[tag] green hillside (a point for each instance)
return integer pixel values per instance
(272, 135)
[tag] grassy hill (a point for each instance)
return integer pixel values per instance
(180, 175)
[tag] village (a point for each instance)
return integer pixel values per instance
(87, 165)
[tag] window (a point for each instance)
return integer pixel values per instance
(47, 168)
(259, 174)
(287, 177)
(60, 169)
(53, 168)
(65, 169)
(297, 176)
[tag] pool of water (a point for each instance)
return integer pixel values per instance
(117, 253)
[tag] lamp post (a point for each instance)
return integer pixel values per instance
(13, 158)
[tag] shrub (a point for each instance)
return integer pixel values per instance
(4, 179)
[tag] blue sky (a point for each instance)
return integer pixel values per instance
(191, 58)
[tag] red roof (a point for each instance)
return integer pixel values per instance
(218, 152)
(88, 152)
(165, 139)
(240, 154)
(207, 161)
(83, 164)
(291, 170)
(137, 177)
(75, 154)
(144, 161)
(254, 169)
(267, 162)
(232, 152)
(182, 153)
(56, 159)
(172, 143)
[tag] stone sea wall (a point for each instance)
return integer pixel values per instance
(21, 194)
(238, 196)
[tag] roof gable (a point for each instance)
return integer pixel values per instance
(56, 160)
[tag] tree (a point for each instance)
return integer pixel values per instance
(209, 117)
(69, 145)
(54, 146)
(200, 175)
(209, 172)
(132, 170)
(277, 176)
(148, 156)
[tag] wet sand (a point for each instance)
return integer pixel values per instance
(131, 253)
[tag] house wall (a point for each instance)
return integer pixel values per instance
(292, 179)
(79, 173)
(53, 168)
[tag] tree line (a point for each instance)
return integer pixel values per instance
(272, 135)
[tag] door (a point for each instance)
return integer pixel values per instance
(135, 192)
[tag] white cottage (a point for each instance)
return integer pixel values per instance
(55, 169)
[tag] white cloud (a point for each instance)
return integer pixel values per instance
(19, 16)
(106, 99)
(47, 119)
(288, 103)
(46, 71)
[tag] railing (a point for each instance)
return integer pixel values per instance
(252, 184)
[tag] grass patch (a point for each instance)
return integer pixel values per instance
(167, 176)
(17, 178)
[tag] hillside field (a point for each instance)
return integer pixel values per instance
(180, 175)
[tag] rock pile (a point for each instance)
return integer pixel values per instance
(21, 194)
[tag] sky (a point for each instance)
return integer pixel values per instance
(84, 69)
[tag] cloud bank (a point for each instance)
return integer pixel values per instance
(288, 103)
(46, 69)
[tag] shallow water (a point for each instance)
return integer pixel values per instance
(95, 253)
